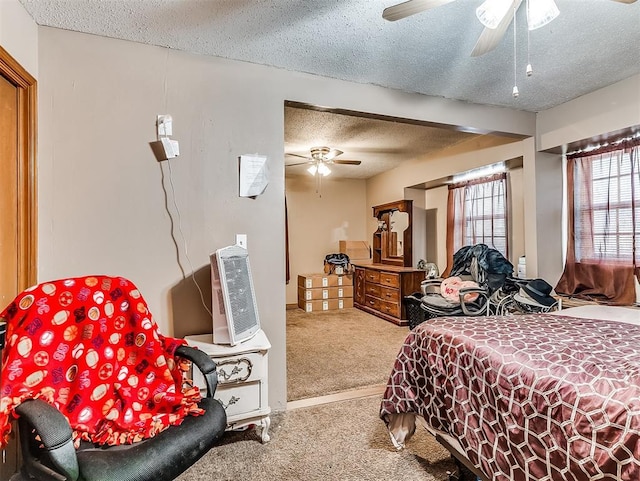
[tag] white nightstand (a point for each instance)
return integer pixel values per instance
(242, 379)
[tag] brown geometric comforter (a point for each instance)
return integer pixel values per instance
(533, 397)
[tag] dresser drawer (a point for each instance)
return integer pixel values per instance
(389, 294)
(390, 308)
(372, 276)
(372, 302)
(389, 279)
(372, 289)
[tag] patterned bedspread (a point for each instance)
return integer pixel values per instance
(533, 397)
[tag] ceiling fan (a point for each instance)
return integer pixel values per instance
(320, 158)
(495, 15)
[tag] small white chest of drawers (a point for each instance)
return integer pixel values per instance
(242, 379)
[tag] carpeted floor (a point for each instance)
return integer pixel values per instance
(342, 441)
(334, 351)
(329, 352)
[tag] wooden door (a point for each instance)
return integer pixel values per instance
(17, 196)
(8, 191)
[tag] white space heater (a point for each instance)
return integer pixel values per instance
(234, 308)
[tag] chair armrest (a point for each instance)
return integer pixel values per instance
(482, 293)
(55, 440)
(432, 284)
(205, 365)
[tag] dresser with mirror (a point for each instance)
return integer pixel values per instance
(380, 287)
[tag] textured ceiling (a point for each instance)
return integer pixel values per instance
(379, 143)
(592, 44)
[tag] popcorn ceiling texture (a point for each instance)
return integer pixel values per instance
(592, 44)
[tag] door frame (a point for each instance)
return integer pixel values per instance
(26, 168)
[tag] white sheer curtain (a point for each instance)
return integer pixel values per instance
(477, 213)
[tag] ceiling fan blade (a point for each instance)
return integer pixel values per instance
(625, 1)
(490, 38)
(410, 7)
(298, 155)
(347, 162)
(299, 163)
(333, 153)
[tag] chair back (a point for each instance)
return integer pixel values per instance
(90, 347)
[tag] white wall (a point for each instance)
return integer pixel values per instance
(101, 197)
(19, 35)
(318, 221)
(609, 109)
(390, 185)
(437, 199)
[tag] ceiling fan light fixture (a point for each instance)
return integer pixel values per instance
(323, 169)
(491, 12)
(320, 168)
(540, 13)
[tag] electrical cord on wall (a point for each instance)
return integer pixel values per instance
(173, 237)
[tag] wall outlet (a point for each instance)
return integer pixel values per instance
(241, 240)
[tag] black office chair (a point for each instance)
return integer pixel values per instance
(46, 435)
(49, 455)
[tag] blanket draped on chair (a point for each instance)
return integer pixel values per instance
(90, 347)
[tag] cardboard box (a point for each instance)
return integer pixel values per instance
(356, 250)
(325, 305)
(312, 281)
(325, 293)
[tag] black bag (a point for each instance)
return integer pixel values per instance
(331, 261)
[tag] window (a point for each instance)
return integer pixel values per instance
(607, 207)
(603, 188)
(478, 214)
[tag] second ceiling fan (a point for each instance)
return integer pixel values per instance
(495, 15)
(320, 158)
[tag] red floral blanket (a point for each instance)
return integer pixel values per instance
(90, 346)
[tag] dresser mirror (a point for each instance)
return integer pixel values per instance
(398, 223)
(392, 240)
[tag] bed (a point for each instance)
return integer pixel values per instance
(533, 397)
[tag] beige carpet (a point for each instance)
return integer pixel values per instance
(342, 441)
(329, 352)
(333, 351)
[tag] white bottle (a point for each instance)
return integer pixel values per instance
(522, 268)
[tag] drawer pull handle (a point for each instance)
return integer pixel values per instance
(232, 401)
(237, 369)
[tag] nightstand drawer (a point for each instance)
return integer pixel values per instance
(240, 398)
(242, 385)
(244, 368)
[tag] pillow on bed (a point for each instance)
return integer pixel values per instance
(450, 289)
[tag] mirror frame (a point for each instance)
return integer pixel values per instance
(381, 238)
